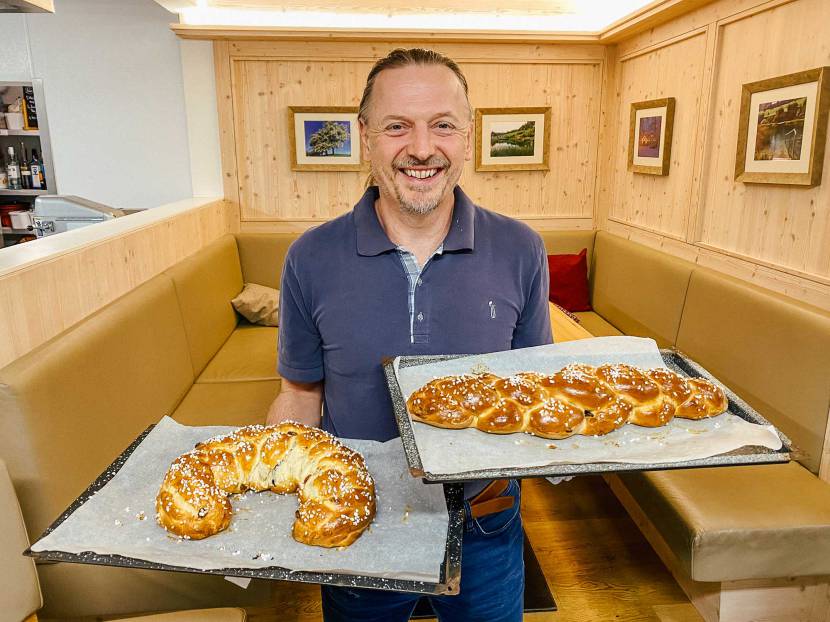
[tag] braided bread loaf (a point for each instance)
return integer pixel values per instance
(336, 492)
(578, 399)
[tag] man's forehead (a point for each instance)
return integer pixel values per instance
(418, 88)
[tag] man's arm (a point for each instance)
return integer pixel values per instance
(297, 401)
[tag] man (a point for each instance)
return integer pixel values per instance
(415, 268)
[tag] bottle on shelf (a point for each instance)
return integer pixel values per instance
(37, 171)
(4, 176)
(25, 173)
(13, 170)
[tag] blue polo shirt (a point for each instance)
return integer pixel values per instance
(344, 305)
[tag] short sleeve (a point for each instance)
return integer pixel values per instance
(533, 327)
(300, 346)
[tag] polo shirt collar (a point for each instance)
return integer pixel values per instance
(372, 239)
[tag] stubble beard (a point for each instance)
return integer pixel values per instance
(424, 202)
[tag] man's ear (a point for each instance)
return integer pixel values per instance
(364, 138)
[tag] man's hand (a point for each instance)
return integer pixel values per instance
(297, 401)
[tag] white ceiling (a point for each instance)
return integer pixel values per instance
(590, 16)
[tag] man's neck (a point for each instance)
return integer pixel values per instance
(420, 234)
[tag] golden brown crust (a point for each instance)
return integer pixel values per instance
(577, 399)
(336, 493)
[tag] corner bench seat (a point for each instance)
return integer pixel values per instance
(742, 522)
(730, 535)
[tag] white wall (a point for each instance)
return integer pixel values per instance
(112, 74)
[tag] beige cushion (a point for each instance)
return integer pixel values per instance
(225, 614)
(20, 593)
(638, 289)
(227, 403)
(205, 285)
(261, 256)
(595, 324)
(771, 350)
(732, 523)
(258, 304)
(73, 404)
(250, 353)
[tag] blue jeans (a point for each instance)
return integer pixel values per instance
(492, 579)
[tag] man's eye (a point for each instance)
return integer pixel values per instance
(395, 127)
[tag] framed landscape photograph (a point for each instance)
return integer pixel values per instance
(783, 129)
(650, 136)
(512, 139)
(324, 138)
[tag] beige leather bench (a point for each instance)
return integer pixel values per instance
(722, 530)
(173, 345)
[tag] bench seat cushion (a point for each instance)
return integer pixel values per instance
(596, 324)
(227, 403)
(743, 522)
(250, 353)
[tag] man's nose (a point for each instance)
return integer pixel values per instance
(421, 146)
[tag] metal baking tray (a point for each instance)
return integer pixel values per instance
(673, 359)
(449, 575)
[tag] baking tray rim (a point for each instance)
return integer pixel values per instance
(672, 357)
(449, 581)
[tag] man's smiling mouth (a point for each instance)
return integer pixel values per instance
(415, 173)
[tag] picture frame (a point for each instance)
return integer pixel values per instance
(650, 133)
(324, 138)
(513, 139)
(782, 129)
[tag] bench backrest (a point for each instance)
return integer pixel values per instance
(638, 289)
(771, 350)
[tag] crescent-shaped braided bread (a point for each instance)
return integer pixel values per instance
(336, 492)
(578, 399)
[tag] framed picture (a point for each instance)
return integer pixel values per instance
(783, 127)
(324, 138)
(650, 132)
(512, 139)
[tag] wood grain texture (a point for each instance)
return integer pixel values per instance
(660, 202)
(775, 236)
(267, 77)
(42, 299)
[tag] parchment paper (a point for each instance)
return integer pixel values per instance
(444, 451)
(406, 540)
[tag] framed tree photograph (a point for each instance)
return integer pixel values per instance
(650, 130)
(512, 139)
(783, 128)
(324, 138)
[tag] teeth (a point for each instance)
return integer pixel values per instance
(420, 174)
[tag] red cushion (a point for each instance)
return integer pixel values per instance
(569, 281)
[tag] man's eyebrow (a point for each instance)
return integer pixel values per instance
(398, 117)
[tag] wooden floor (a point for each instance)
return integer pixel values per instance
(597, 564)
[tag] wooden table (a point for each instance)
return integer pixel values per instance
(564, 328)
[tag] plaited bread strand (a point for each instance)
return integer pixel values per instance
(336, 493)
(577, 399)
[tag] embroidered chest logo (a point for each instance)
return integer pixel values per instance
(492, 310)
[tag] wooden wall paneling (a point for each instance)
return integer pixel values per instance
(41, 300)
(699, 18)
(701, 135)
(609, 135)
(227, 138)
(462, 52)
(661, 203)
(267, 77)
(781, 225)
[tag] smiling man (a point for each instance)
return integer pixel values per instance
(415, 268)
